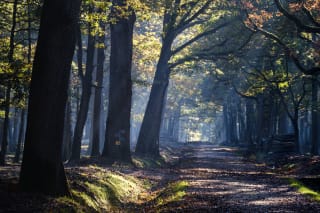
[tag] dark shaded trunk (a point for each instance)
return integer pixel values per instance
(85, 99)
(295, 124)
(249, 123)
(117, 138)
(42, 170)
(15, 130)
(226, 122)
(96, 124)
(21, 136)
(315, 116)
(148, 140)
(67, 135)
(4, 143)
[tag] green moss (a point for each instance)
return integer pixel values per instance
(173, 192)
(304, 189)
(145, 162)
(94, 189)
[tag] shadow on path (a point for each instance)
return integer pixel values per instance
(220, 181)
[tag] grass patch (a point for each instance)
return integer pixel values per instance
(304, 189)
(173, 192)
(93, 189)
(146, 162)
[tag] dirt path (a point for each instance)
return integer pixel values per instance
(221, 182)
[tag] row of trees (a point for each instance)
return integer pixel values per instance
(195, 35)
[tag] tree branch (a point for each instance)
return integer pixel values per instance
(298, 22)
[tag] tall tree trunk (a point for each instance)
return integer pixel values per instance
(42, 170)
(15, 130)
(96, 124)
(117, 137)
(4, 144)
(67, 135)
(148, 140)
(315, 116)
(249, 123)
(227, 124)
(295, 124)
(20, 137)
(85, 98)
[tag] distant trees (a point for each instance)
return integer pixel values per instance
(18, 22)
(42, 169)
(298, 42)
(10, 59)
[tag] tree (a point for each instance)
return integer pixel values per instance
(86, 80)
(96, 125)
(42, 170)
(117, 137)
(179, 17)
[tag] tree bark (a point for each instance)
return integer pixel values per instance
(4, 144)
(42, 170)
(67, 135)
(117, 137)
(96, 124)
(148, 140)
(249, 123)
(314, 115)
(20, 137)
(85, 99)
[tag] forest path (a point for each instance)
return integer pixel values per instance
(220, 181)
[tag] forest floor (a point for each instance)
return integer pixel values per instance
(196, 178)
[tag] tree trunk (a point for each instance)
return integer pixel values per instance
(4, 144)
(117, 138)
(15, 130)
(85, 99)
(295, 124)
(148, 140)
(227, 124)
(314, 115)
(20, 137)
(67, 135)
(42, 170)
(249, 123)
(96, 124)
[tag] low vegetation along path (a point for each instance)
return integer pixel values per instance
(220, 181)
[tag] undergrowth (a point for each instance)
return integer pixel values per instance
(303, 189)
(94, 189)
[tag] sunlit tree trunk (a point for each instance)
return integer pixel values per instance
(117, 137)
(42, 170)
(148, 140)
